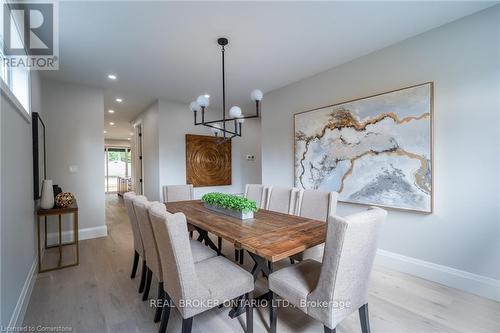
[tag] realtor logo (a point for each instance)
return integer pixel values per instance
(30, 37)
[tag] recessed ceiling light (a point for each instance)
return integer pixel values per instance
(119, 100)
(128, 139)
(207, 95)
(111, 111)
(131, 133)
(105, 132)
(112, 123)
(112, 77)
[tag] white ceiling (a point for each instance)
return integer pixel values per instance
(169, 50)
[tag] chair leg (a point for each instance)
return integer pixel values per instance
(242, 256)
(143, 276)
(219, 243)
(187, 324)
(165, 314)
(364, 319)
(249, 311)
(329, 330)
(191, 234)
(148, 285)
(134, 265)
(161, 299)
(236, 253)
(292, 261)
(273, 314)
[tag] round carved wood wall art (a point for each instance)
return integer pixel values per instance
(208, 162)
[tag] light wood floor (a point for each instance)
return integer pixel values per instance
(99, 296)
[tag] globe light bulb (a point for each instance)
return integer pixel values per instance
(235, 112)
(194, 106)
(256, 95)
(202, 101)
(216, 131)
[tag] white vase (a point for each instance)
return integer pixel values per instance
(47, 199)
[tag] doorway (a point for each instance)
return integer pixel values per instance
(117, 169)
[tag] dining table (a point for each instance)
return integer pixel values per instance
(268, 237)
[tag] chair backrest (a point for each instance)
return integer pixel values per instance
(350, 248)
(141, 206)
(316, 204)
(128, 199)
(257, 193)
(173, 193)
(179, 274)
(281, 199)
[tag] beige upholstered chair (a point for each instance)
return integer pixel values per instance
(316, 205)
(282, 199)
(138, 246)
(153, 264)
(257, 193)
(195, 287)
(172, 193)
(332, 290)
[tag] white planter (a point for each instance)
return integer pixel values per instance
(229, 212)
(47, 198)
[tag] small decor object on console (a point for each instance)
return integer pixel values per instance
(64, 199)
(232, 205)
(47, 197)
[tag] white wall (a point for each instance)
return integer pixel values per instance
(462, 58)
(150, 151)
(176, 120)
(17, 227)
(74, 116)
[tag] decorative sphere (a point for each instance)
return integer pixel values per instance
(235, 112)
(216, 131)
(194, 106)
(256, 95)
(202, 101)
(64, 199)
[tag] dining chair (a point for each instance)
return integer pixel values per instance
(138, 245)
(195, 287)
(330, 291)
(257, 193)
(282, 199)
(317, 205)
(172, 193)
(153, 264)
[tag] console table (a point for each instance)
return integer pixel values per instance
(73, 210)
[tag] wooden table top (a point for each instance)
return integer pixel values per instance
(271, 235)
(56, 211)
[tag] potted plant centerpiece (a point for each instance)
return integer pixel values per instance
(228, 204)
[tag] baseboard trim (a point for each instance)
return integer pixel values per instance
(17, 318)
(86, 233)
(473, 283)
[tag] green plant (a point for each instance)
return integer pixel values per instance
(229, 201)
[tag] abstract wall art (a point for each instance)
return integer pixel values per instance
(375, 150)
(208, 161)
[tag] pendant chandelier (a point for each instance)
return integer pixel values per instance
(229, 127)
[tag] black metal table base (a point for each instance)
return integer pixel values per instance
(261, 266)
(204, 238)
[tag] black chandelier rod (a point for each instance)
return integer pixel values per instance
(224, 94)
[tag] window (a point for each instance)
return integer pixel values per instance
(15, 79)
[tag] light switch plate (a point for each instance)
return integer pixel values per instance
(73, 168)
